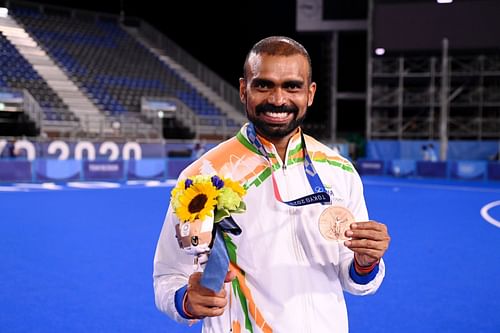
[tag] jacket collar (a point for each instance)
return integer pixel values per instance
(294, 144)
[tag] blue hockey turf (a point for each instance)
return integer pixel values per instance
(80, 260)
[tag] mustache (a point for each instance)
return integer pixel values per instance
(273, 108)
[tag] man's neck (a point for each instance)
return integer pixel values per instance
(281, 144)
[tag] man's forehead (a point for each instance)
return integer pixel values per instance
(265, 64)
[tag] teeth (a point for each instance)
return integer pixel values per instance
(280, 115)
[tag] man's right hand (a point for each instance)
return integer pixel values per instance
(201, 302)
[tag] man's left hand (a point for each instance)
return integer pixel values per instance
(369, 241)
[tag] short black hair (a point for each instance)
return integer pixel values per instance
(280, 46)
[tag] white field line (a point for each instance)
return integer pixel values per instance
(486, 215)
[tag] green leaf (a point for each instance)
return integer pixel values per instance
(241, 208)
(220, 214)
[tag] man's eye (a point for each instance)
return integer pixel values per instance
(293, 87)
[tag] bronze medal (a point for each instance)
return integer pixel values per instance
(334, 222)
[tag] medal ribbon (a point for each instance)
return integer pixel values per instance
(320, 195)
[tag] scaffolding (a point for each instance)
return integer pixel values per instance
(405, 100)
(441, 95)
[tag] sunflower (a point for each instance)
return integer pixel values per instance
(195, 202)
(235, 186)
(199, 196)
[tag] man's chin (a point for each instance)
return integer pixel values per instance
(275, 131)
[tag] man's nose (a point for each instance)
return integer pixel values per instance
(277, 97)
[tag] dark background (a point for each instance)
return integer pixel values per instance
(220, 33)
(421, 25)
(217, 33)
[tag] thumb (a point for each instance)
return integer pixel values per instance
(230, 276)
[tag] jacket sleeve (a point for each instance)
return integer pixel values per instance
(357, 206)
(171, 269)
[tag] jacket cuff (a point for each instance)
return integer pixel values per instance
(362, 279)
(179, 300)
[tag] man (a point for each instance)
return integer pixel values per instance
(10, 149)
(428, 153)
(287, 272)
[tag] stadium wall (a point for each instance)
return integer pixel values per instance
(412, 149)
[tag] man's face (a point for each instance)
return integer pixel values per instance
(276, 93)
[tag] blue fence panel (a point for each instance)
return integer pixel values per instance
(57, 170)
(371, 167)
(42, 170)
(154, 168)
(494, 170)
(103, 170)
(432, 169)
(474, 170)
(176, 164)
(412, 149)
(15, 171)
(402, 168)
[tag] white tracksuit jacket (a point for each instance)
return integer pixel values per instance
(290, 279)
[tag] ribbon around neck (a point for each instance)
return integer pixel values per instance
(217, 265)
(320, 195)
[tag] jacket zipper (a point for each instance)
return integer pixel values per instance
(296, 245)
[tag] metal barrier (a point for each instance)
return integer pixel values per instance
(51, 170)
(407, 168)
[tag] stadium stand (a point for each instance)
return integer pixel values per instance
(105, 88)
(107, 76)
(18, 75)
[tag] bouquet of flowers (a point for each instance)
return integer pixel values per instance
(199, 202)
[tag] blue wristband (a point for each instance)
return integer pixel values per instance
(362, 279)
(179, 300)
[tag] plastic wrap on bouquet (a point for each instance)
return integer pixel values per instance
(195, 238)
(203, 205)
(205, 241)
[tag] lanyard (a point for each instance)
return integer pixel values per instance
(320, 195)
(218, 261)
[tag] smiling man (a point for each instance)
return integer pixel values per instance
(276, 90)
(305, 236)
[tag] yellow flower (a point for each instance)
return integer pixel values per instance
(203, 195)
(235, 186)
(176, 192)
(195, 202)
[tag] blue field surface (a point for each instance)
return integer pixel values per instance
(442, 265)
(79, 258)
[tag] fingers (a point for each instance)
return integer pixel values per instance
(203, 302)
(230, 276)
(368, 226)
(371, 231)
(370, 253)
(366, 246)
(204, 306)
(200, 308)
(195, 287)
(200, 311)
(369, 239)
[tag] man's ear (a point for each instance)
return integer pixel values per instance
(311, 93)
(243, 90)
